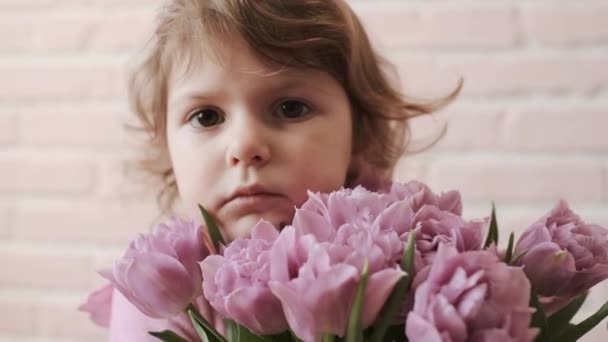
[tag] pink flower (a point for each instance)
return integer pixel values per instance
(99, 305)
(434, 226)
(380, 224)
(236, 284)
(344, 205)
(407, 207)
(471, 296)
(110, 309)
(563, 256)
(419, 194)
(316, 267)
(437, 219)
(130, 324)
(159, 272)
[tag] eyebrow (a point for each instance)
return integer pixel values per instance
(290, 82)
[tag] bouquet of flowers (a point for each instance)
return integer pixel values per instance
(357, 265)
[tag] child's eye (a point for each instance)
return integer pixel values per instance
(205, 118)
(292, 109)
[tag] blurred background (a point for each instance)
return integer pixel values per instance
(529, 128)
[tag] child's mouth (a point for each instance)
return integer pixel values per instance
(258, 202)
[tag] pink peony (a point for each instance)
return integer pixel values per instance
(380, 224)
(129, 324)
(159, 272)
(437, 219)
(316, 267)
(419, 194)
(434, 226)
(110, 309)
(471, 296)
(99, 305)
(407, 207)
(563, 257)
(236, 284)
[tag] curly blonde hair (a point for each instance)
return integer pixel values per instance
(321, 34)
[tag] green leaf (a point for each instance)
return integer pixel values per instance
(493, 231)
(576, 331)
(200, 330)
(509, 252)
(238, 333)
(353, 333)
(246, 335)
(167, 336)
(558, 322)
(519, 256)
(395, 333)
(395, 301)
(407, 260)
(286, 336)
(329, 338)
(232, 332)
(201, 323)
(539, 319)
(214, 231)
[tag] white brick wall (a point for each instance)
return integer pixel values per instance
(530, 127)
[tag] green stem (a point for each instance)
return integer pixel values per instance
(329, 338)
(199, 319)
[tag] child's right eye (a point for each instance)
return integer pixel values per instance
(205, 118)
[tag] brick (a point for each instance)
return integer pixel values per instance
(84, 222)
(103, 260)
(8, 129)
(46, 175)
(83, 126)
(564, 23)
(422, 76)
(559, 129)
(530, 179)
(505, 74)
(73, 30)
(59, 318)
(46, 315)
(15, 32)
(7, 220)
(59, 79)
(18, 317)
(465, 129)
(399, 24)
(52, 4)
(533, 73)
(121, 180)
(31, 267)
(409, 168)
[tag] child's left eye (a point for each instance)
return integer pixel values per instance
(292, 109)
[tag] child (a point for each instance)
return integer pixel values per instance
(250, 104)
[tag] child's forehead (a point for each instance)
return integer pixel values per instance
(223, 80)
(233, 56)
(227, 52)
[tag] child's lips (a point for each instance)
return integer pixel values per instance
(257, 202)
(254, 198)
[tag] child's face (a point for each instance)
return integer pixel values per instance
(240, 128)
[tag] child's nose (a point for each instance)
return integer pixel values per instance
(248, 146)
